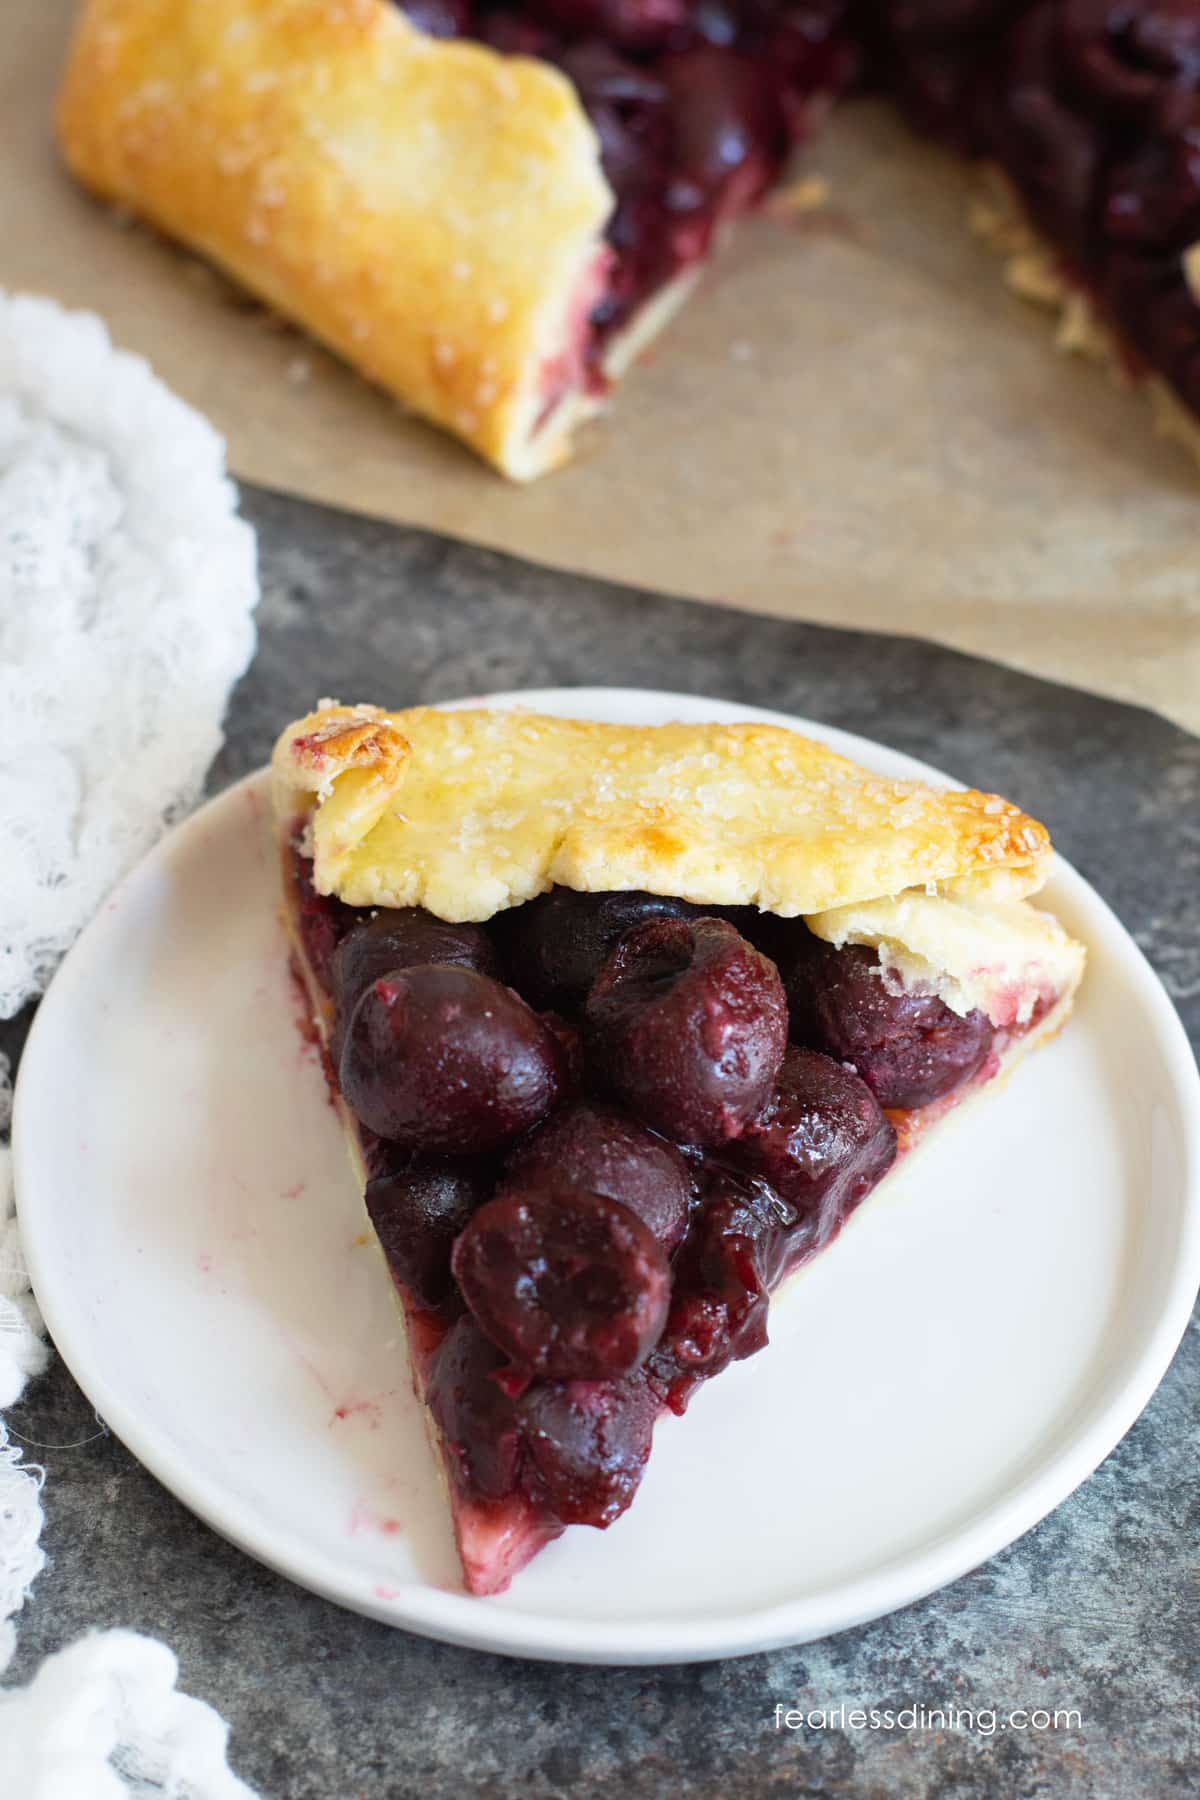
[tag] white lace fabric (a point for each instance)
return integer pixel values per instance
(127, 586)
(127, 590)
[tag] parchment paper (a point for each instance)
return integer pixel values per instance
(852, 422)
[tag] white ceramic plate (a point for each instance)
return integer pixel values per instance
(985, 1331)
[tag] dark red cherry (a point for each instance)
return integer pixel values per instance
(439, 18)
(445, 1059)
(474, 1413)
(1055, 156)
(1121, 58)
(1050, 147)
(688, 1022)
(810, 60)
(556, 943)
(644, 238)
(323, 921)
(567, 1283)
(727, 117)
(733, 1252)
(1153, 201)
(400, 938)
(821, 1143)
(418, 1206)
(605, 79)
(908, 1048)
(586, 1445)
(1150, 296)
(937, 54)
(627, 105)
(598, 1147)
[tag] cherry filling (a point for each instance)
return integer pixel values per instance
(696, 105)
(322, 922)
(475, 1412)
(723, 1276)
(687, 1024)
(587, 1221)
(935, 55)
(821, 1143)
(596, 1146)
(400, 938)
(908, 1048)
(586, 1445)
(1092, 108)
(554, 945)
(568, 1283)
(418, 1206)
(440, 1057)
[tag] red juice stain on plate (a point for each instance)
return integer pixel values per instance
(370, 1410)
(364, 1517)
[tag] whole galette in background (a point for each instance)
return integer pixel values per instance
(490, 206)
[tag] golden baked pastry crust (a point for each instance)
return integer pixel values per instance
(432, 210)
(469, 812)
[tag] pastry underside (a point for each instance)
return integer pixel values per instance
(469, 812)
(431, 210)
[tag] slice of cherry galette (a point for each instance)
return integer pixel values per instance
(623, 1022)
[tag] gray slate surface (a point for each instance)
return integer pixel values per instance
(1097, 1609)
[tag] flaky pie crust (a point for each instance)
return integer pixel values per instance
(468, 812)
